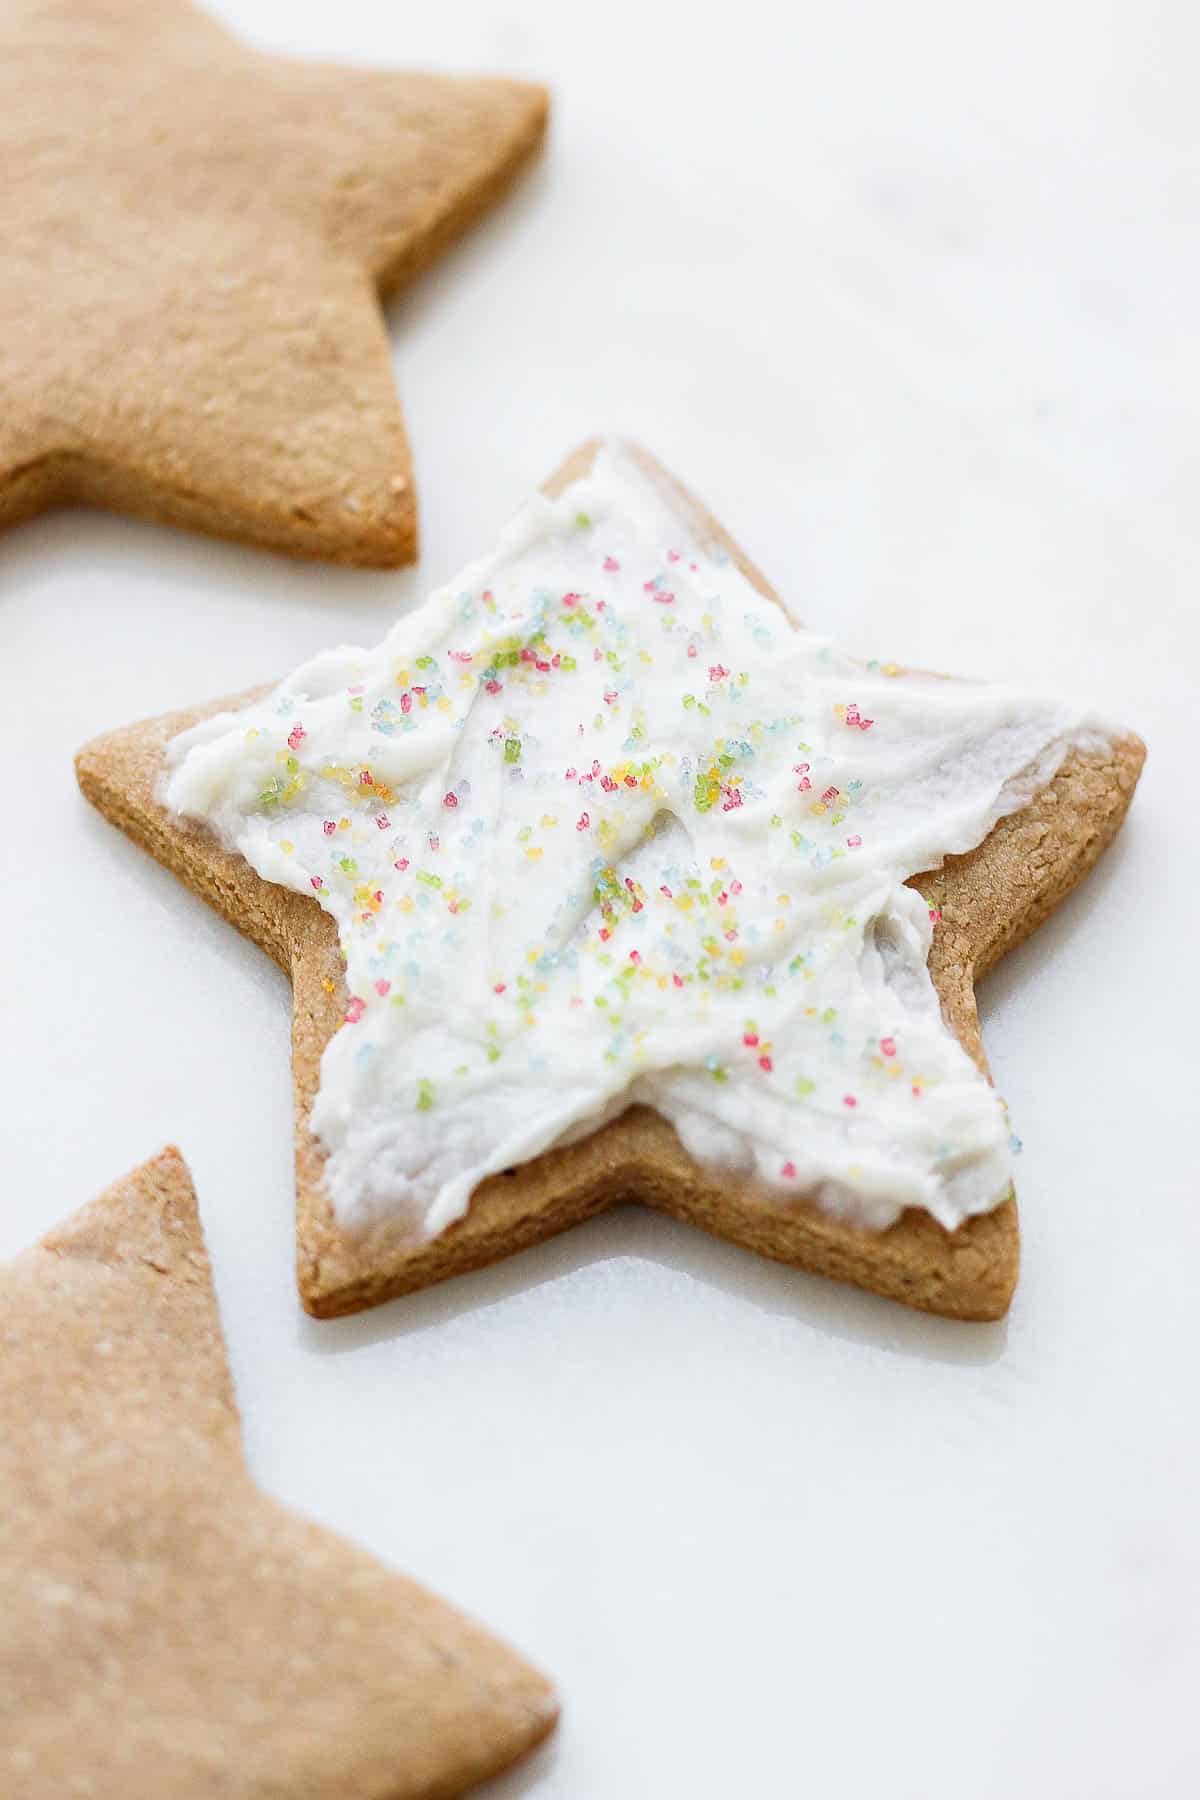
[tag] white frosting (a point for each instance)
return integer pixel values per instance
(599, 825)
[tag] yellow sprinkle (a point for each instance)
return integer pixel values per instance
(327, 984)
(287, 847)
(533, 852)
(717, 862)
(549, 821)
(890, 669)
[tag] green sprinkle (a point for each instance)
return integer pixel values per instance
(424, 1095)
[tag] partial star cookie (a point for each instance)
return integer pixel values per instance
(167, 1628)
(985, 902)
(194, 238)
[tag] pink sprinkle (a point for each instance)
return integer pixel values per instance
(383, 822)
(608, 784)
(296, 736)
(329, 827)
(406, 702)
(571, 774)
(610, 696)
(854, 843)
(750, 1038)
(570, 599)
(735, 887)
(499, 987)
(316, 882)
(935, 913)
(605, 934)
(597, 654)
(849, 1100)
(450, 799)
(355, 1010)
(678, 980)
(463, 656)
(864, 724)
(631, 781)
(672, 556)
(691, 650)
(355, 690)
(364, 778)
(600, 604)
(788, 1171)
(543, 668)
(765, 1064)
(666, 890)
(916, 1091)
(383, 987)
(635, 956)
(611, 564)
(665, 599)
(718, 672)
(734, 800)
(583, 822)
(639, 906)
(830, 793)
(491, 687)
(888, 1046)
(401, 864)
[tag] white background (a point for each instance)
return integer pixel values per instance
(909, 295)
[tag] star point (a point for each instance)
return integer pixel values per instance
(190, 325)
(160, 1610)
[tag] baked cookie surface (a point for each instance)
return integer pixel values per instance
(194, 237)
(168, 1628)
(986, 900)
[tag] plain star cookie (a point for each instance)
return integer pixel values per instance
(168, 1629)
(598, 880)
(194, 239)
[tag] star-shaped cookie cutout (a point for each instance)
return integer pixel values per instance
(167, 1627)
(983, 902)
(194, 240)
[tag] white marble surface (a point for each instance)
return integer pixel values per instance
(909, 296)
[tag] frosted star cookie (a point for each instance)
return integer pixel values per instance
(167, 1628)
(600, 880)
(193, 240)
